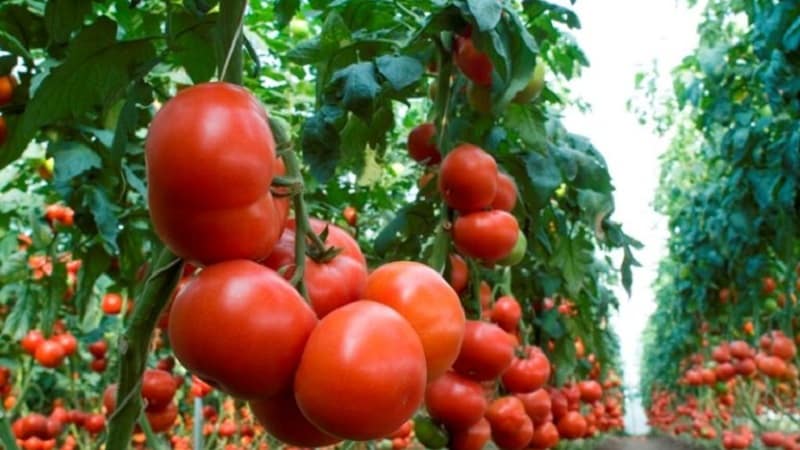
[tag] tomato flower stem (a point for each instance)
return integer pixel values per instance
(134, 346)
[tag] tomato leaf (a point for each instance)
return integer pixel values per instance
(192, 35)
(573, 255)
(62, 17)
(487, 13)
(358, 88)
(24, 26)
(105, 214)
(400, 71)
(528, 124)
(72, 159)
(321, 143)
(544, 176)
(95, 261)
(285, 10)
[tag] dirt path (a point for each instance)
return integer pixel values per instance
(643, 443)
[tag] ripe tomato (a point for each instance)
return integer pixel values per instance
(772, 366)
(459, 273)
(537, 405)
(162, 420)
(724, 371)
(559, 403)
(50, 354)
(7, 84)
(773, 439)
(210, 162)
(472, 438)
(486, 235)
(486, 353)
(591, 391)
(745, 367)
(529, 374)
(468, 178)
(512, 429)
(740, 349)
(238, 305)
(112, 303)
(369, 355)
(331, 283)
(281, 417)
(768, 285)
(721, 353)
(33, 424)
(572, 426)
(429, 304)
(68, 343)
(422, 145)
(98, 365)
(506, 313)
(3, 130)
(455, 401)
(783, 348)
(545, 436)
(350, 215)
(506, 196)
(94, 423)
(31, 341)
(158, 388)
(98, 348)
(475, 64)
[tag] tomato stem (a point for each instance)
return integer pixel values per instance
(134, 346)
(301, 223)
(6, 436)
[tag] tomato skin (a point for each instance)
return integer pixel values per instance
(7, 84)
(783, 348)
(94, 423)
(238, 305)
(772, 366)
(591, 391)
(559, 404)
(512, 429)
(506, 196)
(369, 354)
(773, 438)
(529, 374)
(572, 426)
(468, 178)
(422, 146)
(472, 438)
(33, 424)
(210, 161)
(459, 273)
(162, 420)
(31, 341)
(112, 303)
(740, 349)
(330, 284)
(98, 348)
(545, 436)
(50, 354)
(3, 130)
(67, 342)
(350, 215)
(158, 388)
(475, 64)
(281, 418)
(506, 313)
(455, 401)
(537, 405)
(429, 304)
(486, 235)
(486, 353)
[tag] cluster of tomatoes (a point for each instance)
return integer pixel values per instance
(158, 390)
(50, 352)
(98, 351)
(57, 214)
(6, 387)
(38, 432)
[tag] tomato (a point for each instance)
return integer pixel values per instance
(572, 426)
(773, 439)
(98, 348)
(768, 285)
(486, 235)
(591, 391)
(506, 196)
(3, 130)
(362, 374)
(238, 305)
(506, 313)
(158, 388)
(721, 353)
(50, 354)
(772, 366)
(545, 436)
(479, 98)
(281, 418)
(94, 423)
(517, 253)
(472, 438)
(350, 215)
(31, 341)
(468, 178)
(486, 353)
(162, 420)
(68, 343)
(455, 401)
(7, 84)
(98, 365)
(210, 162)
(745, 367)
(529, 374)
(559, 404)
(422, 144)
(429, 304)
(33, 425)
(459, 273)
(512, 429)
(331, 283)
(112, 303)
(537, 405)
(475, 64)
(724, 371)
(783, 348)
(740, 349)
(535, 85)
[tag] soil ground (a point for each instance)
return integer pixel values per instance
(644, 443)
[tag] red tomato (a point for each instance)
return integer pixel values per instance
(506, 313)
(162, 420)
(3, 130)
(512, 429)
(475, 64)
(745, 367)
(94, 423)
(559, 404)
(7, 84)
(281, 418)
(486, 353)
(721, 353)
(468, 178)
(537, 405)
(112, 303)
(350, 215)
(459, 273)
(768, 285)
(529, 374)
(158, 388)
(330, 283)
(33, 424)
(210, 162)
(238, 305)
(506, 197)
(31, 341)
(68, 343)
(783, 348)
(773, 439)
(50, 354)
(425, 299)
(545, 436)
(422, 145)
(98, 348)
(772, 366)
(486, 235)
(455, 401)
(363, 372)
(591, 391)
(572, 426)
(98, 365)
(472, 438)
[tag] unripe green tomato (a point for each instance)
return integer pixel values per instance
(771, 305)
(517, 253)
(534, 87)
(299, 28)
(429, 434)
(561, 191)
(479, 98)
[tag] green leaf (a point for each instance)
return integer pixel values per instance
(62, 17)
(96, 72)
(359, 88)
(134, 180)
(285, 10)
(628, 261)
(27, 28)
(791, 40)
(528, 124)
(487, 13)
(192, 36)
(19, 320)
(544, 175)
(334, 35)
(573, 255)
(551, 325)
(105, 217)
(306, 52)
(72, 159)
(11, 44)
(95, 261)
(400, 71)
(321, 143)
